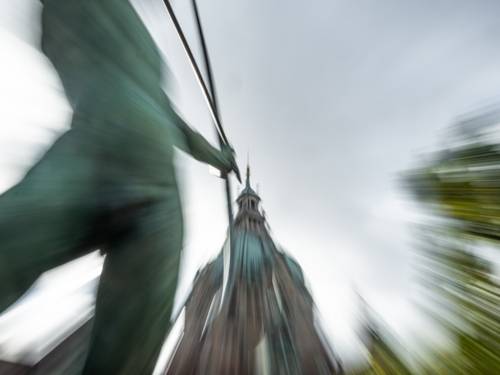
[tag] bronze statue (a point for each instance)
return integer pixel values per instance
(108, 183)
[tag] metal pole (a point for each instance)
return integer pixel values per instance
(199, 78)
(206, 58)
(211, 101)
(228, 281)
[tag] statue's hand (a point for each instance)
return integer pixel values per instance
(230, 156)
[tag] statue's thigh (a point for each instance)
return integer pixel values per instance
(136, 293)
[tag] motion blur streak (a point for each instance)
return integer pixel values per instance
(459, 187)
(320, 92)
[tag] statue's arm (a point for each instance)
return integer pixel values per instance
(199, 148)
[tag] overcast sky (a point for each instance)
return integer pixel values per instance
(331, 99)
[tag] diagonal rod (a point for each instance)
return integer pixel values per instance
(228, 277)
(206, 58)
(199, 78)
(210, 100)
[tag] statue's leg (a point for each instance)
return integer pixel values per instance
(19, 231)
(136, 292)
(43, 219)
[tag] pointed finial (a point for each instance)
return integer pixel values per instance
(248, 170)
(248, 175)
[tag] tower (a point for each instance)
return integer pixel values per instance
(264, 323)
(249, 216)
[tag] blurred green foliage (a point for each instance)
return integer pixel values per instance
(459, 187)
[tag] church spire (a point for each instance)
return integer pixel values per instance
(249, 214)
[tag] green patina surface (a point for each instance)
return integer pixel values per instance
(107, 183)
